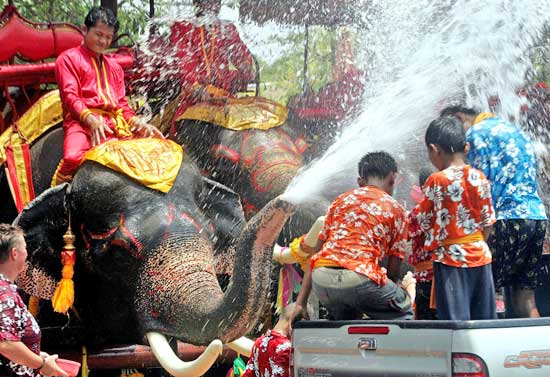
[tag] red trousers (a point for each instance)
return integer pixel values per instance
(78, 141)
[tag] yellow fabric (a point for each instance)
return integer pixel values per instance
(84, 368)
(21, 173)
(424, 266)
(154, 163)
(122, 129)
(321, 262)
(63, 298)
(482, 116)
(44, 114)
(239, 113)
(474, 237)
(296, 251)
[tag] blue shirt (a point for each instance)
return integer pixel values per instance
(506, 156)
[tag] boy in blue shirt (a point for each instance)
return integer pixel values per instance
(506, 156)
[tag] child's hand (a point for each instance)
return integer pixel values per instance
(408, 280)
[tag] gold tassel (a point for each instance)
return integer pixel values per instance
(63, 297)
(34, 307)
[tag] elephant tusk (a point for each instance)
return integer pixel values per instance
(282, 255)
(174, 365)
(312, 236)
(243, 345)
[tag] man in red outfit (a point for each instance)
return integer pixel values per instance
(212, 58)
(92, 90)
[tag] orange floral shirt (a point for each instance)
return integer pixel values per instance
(457, 203)
(361, 226)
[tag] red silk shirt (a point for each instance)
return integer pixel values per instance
(270, 356)
(361, 226)
(211, 54)
(88, 81)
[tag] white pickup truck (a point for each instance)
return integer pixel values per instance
(496, 348)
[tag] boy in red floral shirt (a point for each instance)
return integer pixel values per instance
(420, 258)
(361, 227)
(456, 216)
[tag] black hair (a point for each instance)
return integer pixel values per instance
(377, 164)
(8, 239)
(100, 14)
(448, 133)
(423, 174)
(452, 110)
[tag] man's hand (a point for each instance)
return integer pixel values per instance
(145, 129)
(98, 127)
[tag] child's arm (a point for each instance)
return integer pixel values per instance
(486, 232)
(303, 295)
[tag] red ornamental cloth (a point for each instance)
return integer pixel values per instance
(270, 356)
(16, 324)
(90, 81)
(361, 226)
(211, 54)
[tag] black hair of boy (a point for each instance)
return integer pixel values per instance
(450, 111)
(377, 164)
(447, 133)
(423, 175)
(100, 14)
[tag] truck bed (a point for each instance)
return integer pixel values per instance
(513, 347)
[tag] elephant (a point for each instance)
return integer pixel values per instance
(257, 164)
(146, 261)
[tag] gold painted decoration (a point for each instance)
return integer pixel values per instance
(44, 114)
(154, 163)
(239, 113)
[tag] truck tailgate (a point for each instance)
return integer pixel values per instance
(369, 348)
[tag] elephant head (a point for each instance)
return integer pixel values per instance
(146, 260)
(257, 164)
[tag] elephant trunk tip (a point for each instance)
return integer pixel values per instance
(285, 202)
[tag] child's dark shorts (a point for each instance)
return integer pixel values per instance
(516, 245)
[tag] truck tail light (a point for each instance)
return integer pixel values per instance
(372, 330)
(469, 365)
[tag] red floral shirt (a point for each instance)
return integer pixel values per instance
(363, 225)
(457, 203)
(419, 258)
(270, 356)
(16, 324)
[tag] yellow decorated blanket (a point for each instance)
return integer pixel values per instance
(239, 113)
(154, 163)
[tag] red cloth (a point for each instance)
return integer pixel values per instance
(87, 81)
(270, 356)
(17, 325)
(212, 54)
(361, 226)
(207, 53)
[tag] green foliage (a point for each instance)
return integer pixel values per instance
(284, 78)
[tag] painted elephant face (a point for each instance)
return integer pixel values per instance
(146, 260)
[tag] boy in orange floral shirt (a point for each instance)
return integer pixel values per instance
(456, 216)
(361, 227)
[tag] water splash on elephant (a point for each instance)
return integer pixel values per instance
(422, 55)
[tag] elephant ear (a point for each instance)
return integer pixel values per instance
(223, 207)
(44, 221)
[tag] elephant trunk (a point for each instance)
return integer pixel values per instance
(182, 297)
